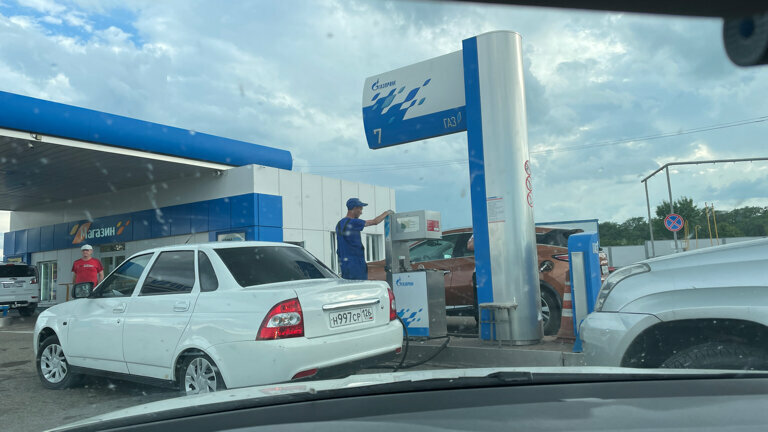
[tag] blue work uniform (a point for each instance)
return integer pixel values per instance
(350, 249)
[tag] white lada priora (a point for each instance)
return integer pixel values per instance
(221, 315)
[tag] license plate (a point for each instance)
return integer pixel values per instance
(604, 269)
(350, 317)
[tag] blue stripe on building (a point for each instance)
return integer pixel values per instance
(259, 216)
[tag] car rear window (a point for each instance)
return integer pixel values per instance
(17, 271)
(258, 265)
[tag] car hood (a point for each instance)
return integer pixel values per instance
(61, 308)
(261, 394)
(381, 263)
(726, 267)
(734, 252)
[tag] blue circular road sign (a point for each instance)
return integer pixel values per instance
(674, 222)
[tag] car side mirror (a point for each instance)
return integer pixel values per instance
(546, 266)
(82, 290)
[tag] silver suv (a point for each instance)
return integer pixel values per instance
(19, 287)
(705, 309)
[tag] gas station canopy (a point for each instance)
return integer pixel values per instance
(51, 152)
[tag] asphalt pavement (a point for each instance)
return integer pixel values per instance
(26, 406)
(29, 407)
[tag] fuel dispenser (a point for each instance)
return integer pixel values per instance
(420, 293)
(584, 259)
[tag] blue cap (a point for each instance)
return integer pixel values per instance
(355, 202)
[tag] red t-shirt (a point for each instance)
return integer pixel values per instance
(87, 271)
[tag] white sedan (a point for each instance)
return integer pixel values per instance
(214, 316)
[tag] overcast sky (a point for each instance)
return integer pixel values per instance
(289, 74)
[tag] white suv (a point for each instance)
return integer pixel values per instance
(221, 315)
(19, 287)
(705, 309)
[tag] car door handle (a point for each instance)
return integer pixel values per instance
(119, 308)
(181, 306)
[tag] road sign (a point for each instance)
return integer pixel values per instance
(674, 222)
(420, 101)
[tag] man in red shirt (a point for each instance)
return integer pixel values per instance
(87, 268)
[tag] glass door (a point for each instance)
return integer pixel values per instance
(111, 256)
(111, 262)
(47, 280)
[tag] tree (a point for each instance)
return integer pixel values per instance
(685, 207)
(725, 229)
(633, 231)
(748, 221)
(740, 222)
(610, 234)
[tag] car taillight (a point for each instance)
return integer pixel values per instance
(561, 257)
(392, 306)
(284, 320)
(33, 281)
(305, 374)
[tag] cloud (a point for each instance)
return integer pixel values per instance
(45, 6)
(51, 20)
(290, 75)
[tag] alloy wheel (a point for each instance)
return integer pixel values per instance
(200, 377)
(53, 364)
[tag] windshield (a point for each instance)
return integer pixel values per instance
(266, 192)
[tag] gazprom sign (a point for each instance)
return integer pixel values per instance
(417, 102)
(479, 89)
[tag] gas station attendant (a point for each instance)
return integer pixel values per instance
(350, 246)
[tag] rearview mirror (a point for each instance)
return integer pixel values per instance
(82, 290)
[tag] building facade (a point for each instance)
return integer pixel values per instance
(160, 192)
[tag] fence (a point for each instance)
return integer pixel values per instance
(620, 256)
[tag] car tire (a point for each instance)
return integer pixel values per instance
(719, 355)
(551, 312)
(27, 311)
(52, 366)
(199, 374)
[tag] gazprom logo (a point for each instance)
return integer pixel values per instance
(399, 282)
(376, 86)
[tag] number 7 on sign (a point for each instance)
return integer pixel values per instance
(378, 132)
